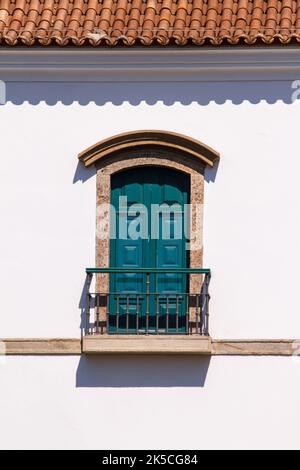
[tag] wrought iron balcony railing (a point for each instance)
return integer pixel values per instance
(150, 308)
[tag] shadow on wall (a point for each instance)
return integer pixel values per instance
(82, 173)
(83, 308)
(142, 371)
(169, 93)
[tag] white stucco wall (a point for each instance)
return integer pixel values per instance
(251, 238)
(251, 227)
(142, 403)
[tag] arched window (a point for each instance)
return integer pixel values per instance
(150, 187)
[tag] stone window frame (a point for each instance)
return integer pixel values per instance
(147, 148)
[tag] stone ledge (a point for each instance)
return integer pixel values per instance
(122, 344)
(264, 347)
(13, 346)
(128, 344)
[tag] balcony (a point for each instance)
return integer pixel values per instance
(149, 318)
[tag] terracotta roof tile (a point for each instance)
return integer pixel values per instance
(146, 22)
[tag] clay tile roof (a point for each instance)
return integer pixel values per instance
(146, 22)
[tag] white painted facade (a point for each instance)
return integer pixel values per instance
(156, 403)
(239, 103)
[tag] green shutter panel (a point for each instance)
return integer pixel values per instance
(148, 186)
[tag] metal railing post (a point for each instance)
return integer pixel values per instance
(89, 278)
(206, 304)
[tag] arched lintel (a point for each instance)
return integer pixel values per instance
(191, 148)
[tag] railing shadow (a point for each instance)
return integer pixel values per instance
(142, 371)
(82, 305)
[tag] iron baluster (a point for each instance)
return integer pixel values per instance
(157, 313)
(127, 313)
(167, 316)
(118, 313)
(97, 313)
(147, 301)
(197, 316)
(107, 312)
(177, 312)
(187, 315)
(137, 314)
(89, 278)
(207, 298)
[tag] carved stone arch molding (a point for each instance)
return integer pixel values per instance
(148, 148)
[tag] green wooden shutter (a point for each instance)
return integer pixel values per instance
(148, 186)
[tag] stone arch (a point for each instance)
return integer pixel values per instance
(188, 147)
